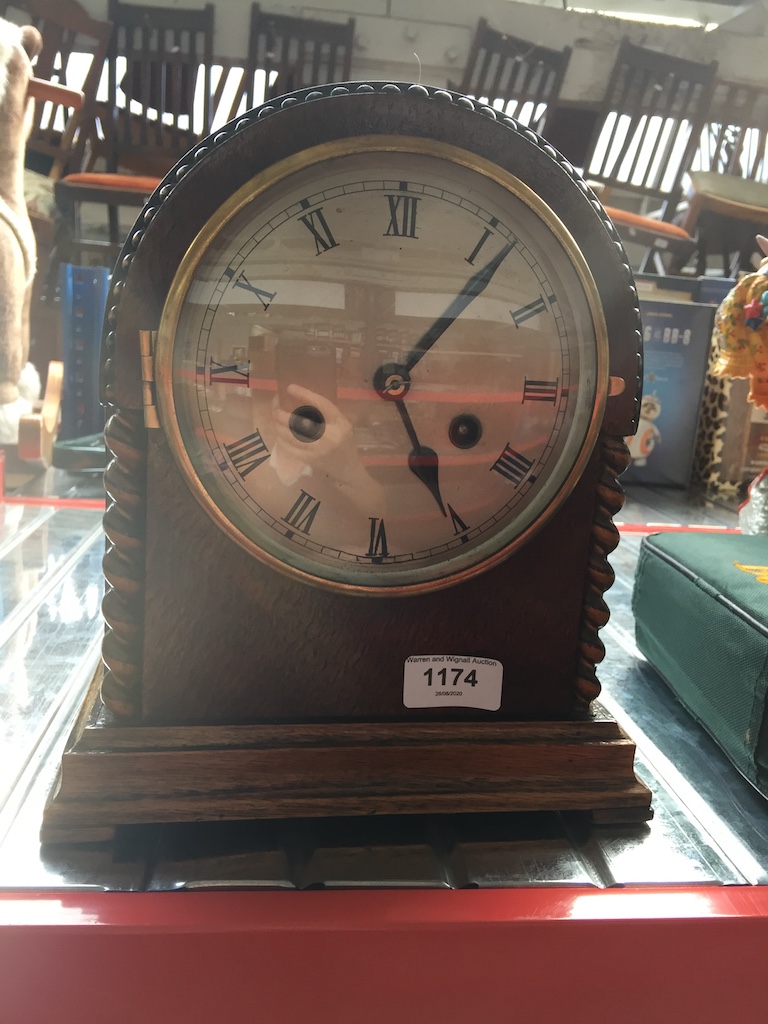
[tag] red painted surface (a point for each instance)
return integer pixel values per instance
(673, 528)
(620, 956)
(52, 502)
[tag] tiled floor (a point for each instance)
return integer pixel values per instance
(709, 826)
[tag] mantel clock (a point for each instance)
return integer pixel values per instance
(370, 354)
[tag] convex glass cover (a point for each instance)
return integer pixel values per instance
(383, 365)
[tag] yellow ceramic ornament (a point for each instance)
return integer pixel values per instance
(741, 332)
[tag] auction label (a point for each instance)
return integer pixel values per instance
(451, 680)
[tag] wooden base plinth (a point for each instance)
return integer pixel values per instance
(120, 775)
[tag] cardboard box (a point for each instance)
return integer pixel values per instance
(731, 436)
(676, 343)
(683, 289)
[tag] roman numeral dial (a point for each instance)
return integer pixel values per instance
(229, 373)
(531, 309)
(512, 465)
(402, 215)
(377, 543)
(301, 514)
(239, 280)
(540, 391)
(248, 453)
(434, 329)
(318, 228)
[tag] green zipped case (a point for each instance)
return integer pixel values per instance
(701, 619)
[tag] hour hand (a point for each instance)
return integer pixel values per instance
(422, 461)
(392, 383)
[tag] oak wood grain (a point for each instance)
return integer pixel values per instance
(243, 691)
(119, 775)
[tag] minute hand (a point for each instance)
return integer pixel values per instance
(474, 286)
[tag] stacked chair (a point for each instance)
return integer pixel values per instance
(149, 120)
(513, 75)
(728, 190)
(162, 98)
(648, 131)
(288, 53)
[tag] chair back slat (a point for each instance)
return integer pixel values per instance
(229, 90)
(296, 53)
(514, 75)
(734, 139)
(74, 50)
(284, 53)
(159, 90)
(649, 126)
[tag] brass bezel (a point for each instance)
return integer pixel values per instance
(262, 183)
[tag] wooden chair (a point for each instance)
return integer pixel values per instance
(287, 53)
(648, 131)
(158, 105)
(728, 193)
(514, 75)
(73, 54)
(735, 136)
(283, 53)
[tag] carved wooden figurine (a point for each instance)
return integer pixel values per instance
(19, 382)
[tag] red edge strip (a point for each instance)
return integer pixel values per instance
(672, 528)
(98, 504)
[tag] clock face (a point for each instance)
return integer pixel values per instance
(383, 365)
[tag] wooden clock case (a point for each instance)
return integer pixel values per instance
(231, 690)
